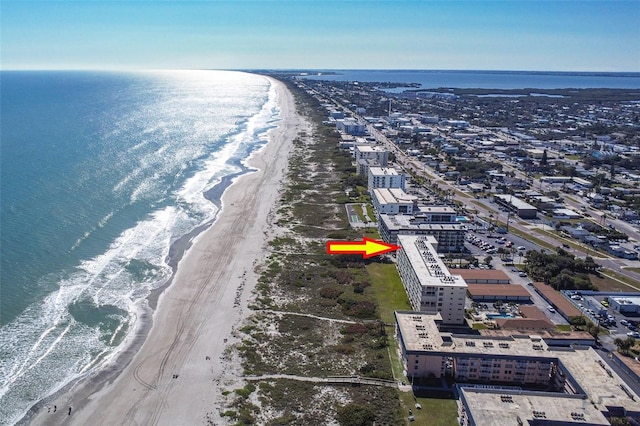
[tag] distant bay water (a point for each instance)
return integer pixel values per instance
(101, 174)
(433, 79)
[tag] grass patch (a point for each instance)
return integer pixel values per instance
(563, 327)
(479, 326)
(388, 289)
(612, 281)
(371, 233)
(371, 213)
(394, 357)
(434, 412)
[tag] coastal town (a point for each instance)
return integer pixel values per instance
(513, 296)
(517, 218)
(320, 213)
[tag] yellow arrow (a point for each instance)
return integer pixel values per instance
(367, 247)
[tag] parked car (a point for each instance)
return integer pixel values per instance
(522, 274)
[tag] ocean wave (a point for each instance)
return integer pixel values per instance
(84, 320)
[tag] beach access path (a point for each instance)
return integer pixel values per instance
(174, 378)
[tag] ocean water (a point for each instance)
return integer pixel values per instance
(100, 174)
(433, 79)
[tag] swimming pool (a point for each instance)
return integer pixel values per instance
(494, 316)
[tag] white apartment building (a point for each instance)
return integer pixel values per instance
(429, 285)
(439, 221)
(385, 177)
(393, 201)
(374, 152)
(350, 126)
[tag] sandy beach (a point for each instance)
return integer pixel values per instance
(175, 375)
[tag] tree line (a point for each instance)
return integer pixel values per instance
(561, 270)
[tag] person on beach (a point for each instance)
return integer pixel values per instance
(69, 411)
(55, 407)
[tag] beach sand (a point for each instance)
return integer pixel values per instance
(175, 375)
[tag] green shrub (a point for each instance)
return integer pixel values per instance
(356, 415)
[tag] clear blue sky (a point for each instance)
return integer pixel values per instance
(317, 34)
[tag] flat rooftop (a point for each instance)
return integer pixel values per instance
(506, 407)
(437, 209)
(419, 331)
(515, 202)
(627, 300)
(371, 148)
(429, 268)
(393, 195)
(384, 171)
(397, 222)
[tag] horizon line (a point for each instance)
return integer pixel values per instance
(327, 70)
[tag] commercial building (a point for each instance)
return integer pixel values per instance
(385, 177)
(393, 201)
(554, 385)
(625, 304)
(555, 179)
(429, 285)
(582, 183)
(449, 235)
(516, 205)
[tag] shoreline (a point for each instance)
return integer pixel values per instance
(180, 322)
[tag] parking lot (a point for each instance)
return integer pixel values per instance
(598, 312)
(479, 243)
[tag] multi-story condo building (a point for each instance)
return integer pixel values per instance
(351, 126)
(429, 285)
(374, 152)
(513, 378)
(438, 221)
(385, 177)
(393, 201)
